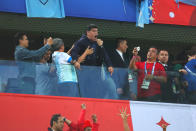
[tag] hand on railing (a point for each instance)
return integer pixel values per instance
(111, 70)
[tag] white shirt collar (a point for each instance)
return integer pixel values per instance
(163, 64)
(120, 53)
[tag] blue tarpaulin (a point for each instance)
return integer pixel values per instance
(118, 10)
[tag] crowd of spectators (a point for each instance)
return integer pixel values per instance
(88, 70)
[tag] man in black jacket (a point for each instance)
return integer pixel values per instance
(89, 78)
(167, 88)
(117, 56)
(90, 40)
(120, 61)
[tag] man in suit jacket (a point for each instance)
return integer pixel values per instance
(120, 62)
(117, 56)
(167, 93)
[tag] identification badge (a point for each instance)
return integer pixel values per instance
(130, 78)
(145, 85)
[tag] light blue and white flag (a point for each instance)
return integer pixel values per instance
(45, 8)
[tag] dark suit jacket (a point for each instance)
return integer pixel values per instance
(166, 88)
(117, 60)
(120, 75)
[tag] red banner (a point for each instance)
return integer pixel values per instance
(33, 113)
(170, 12)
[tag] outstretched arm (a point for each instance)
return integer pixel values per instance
(124, 116)
(69, 51)
(134, 59)
(82, 116)
(27, 54)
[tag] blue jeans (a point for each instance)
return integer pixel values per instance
(26, 86)
(133, 83)
(68, 89)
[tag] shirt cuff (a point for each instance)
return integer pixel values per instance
(48, 46)
(69, 60)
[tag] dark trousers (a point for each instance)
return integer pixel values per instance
(155, 98)
(25, 85)
(28, 85)
(192, 97)
(92, 84)
(68, 89)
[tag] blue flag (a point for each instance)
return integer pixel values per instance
(142, 13)
(45, 8)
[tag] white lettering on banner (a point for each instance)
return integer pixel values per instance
(147, 116)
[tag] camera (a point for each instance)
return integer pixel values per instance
(137, 48)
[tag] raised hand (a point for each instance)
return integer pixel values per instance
(50, 41)
(83, 106)
(94, 118)
(135, 52)
(123, 113)
(99, 42)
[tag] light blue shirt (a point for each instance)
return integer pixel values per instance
(65, 71)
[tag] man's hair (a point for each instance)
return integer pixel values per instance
(119, 40)
(18, 36)
(45, 35)
(164, 50)
(55, 118)
(90, 27)
(155, 48)
(57, 43)
(191, 52)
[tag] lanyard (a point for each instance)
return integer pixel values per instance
(152, 68)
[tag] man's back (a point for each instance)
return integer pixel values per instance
(26, 66)
(65, 71)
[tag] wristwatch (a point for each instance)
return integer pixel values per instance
(74, 61)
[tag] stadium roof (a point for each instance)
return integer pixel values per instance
(109, 29)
